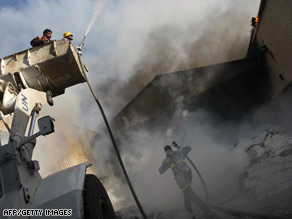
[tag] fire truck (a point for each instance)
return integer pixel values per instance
(28, 80)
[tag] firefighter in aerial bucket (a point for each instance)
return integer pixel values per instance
(47, 34)
(177, 162)
(68, 36)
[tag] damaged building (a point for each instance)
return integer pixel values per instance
(257, 88)
(231, 89)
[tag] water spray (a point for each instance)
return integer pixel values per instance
(99, 4)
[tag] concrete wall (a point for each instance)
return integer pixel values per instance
(273, 38)
(189, 89)
(229, 89)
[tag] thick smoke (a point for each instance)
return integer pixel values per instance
(133, 42)
(142, 153)
(159, 37)
(277, 113)
(169, 40)
(54, 146)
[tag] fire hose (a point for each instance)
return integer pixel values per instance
(201, 178)
(111, 136)
(98, 7)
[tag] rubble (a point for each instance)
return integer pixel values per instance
(270, 167)
(265, 184)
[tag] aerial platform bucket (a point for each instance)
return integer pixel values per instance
(53, 66)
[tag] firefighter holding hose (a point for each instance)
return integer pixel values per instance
(177, 162)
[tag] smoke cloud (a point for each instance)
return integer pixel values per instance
(142, 152)
(158, 37)
(131, 43)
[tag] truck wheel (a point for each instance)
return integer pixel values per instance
(96, 202)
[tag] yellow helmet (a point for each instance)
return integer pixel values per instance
(68, 34)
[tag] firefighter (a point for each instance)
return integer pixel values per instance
(47, 34)
(68, 36)
(176, 161)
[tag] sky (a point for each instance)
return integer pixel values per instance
(131, 42)
(11, 3)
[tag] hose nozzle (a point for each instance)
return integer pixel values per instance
(80, 47)
(174, 144)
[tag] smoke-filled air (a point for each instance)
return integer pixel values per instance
(128, 45)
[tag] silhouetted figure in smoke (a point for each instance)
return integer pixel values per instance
(176, 160)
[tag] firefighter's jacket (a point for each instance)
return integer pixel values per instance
(176, 160)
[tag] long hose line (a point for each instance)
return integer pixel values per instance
(201, 178)
(113, 141)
